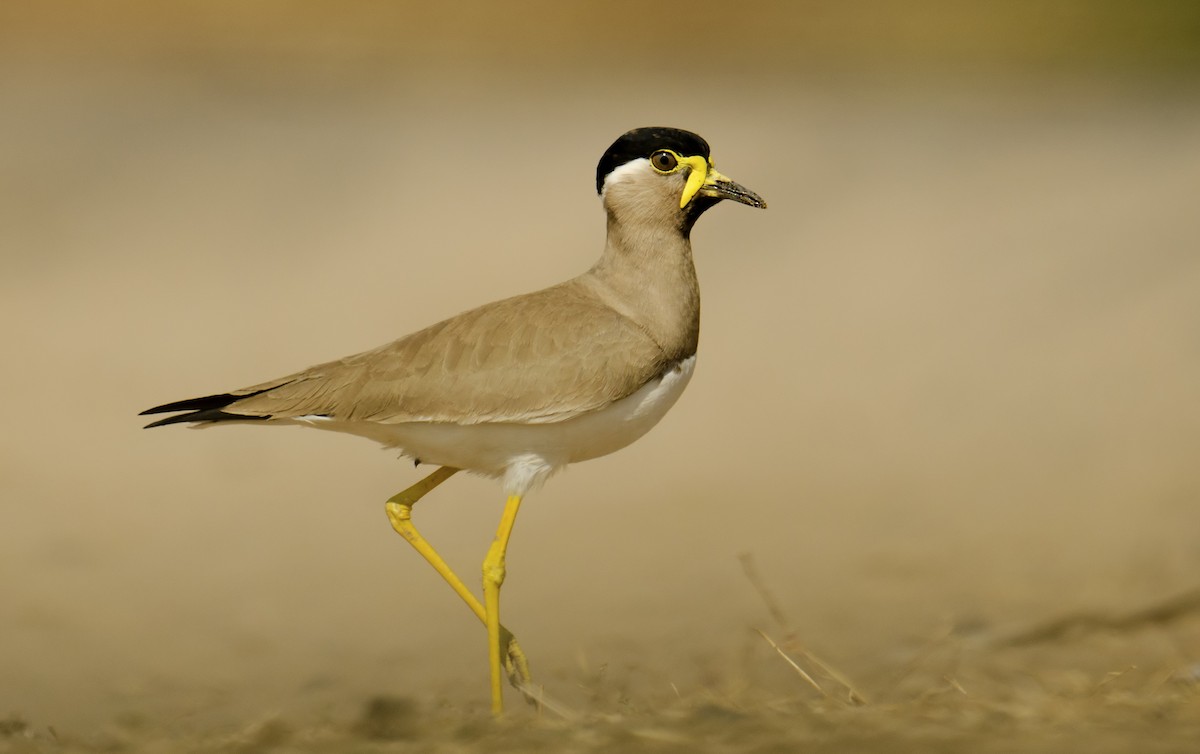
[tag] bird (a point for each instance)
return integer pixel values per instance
(519, 388)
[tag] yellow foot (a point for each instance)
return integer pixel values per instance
(399, 512)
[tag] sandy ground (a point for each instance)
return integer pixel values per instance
(946, 401)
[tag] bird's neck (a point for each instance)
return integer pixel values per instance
(647, 272)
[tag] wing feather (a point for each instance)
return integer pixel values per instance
(541, 357)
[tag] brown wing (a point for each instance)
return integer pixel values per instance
(541, 357)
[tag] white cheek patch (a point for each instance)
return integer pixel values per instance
(626, 172)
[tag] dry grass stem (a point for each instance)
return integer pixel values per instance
(792, 662)
(791, 640)
(954, 684)
(1072, 624)
(853, 695)
(760, 586)
(537, 696)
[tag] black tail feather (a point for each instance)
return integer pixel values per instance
(211, 415)
(206, 409)
(195, 404)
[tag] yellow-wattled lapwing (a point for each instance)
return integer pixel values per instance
(519, 388)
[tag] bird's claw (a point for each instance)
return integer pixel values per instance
(516, 666)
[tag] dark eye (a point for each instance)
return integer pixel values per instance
(664, 161)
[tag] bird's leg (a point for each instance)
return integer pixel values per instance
(399, 512)
(493, 578)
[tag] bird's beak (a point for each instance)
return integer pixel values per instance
(706, 181)
(720, 187)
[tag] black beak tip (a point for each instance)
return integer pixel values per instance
(739, 193)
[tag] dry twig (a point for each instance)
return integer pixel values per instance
(791, 640)
(1076, 623)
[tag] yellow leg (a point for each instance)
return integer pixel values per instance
(493, 578)
(399, 511)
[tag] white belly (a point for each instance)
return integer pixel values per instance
(526, 454)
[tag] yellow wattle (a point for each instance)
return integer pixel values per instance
(695, 179)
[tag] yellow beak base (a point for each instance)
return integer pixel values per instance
(706, 181)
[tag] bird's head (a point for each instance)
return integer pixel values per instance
(664, 174)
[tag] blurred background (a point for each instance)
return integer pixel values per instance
(947, 385)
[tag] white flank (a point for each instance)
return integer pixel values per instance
(527, 454)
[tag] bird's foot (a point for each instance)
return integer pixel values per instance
(516, 667)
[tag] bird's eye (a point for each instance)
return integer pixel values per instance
(664, 161)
